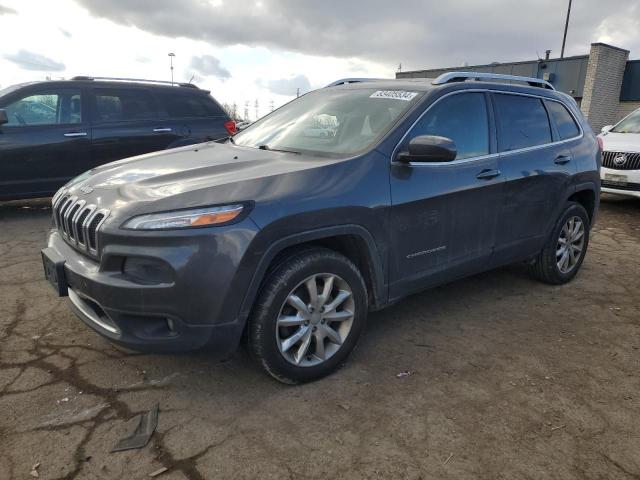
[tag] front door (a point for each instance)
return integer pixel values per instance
(444, 213)
(45, 143)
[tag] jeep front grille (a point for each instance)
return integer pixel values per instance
(78, 222)
(631, 160)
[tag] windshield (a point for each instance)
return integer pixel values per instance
(631, 124)
(329, 121)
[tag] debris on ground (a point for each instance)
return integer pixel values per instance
(142, 434)
(406, 373)
(34, 470)
(448, 458)
(160, 471)
(343, 406)
(558, 427)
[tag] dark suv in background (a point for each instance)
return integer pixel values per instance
(290, 237)
(52, 131)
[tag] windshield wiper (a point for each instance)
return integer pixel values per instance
(267, 147)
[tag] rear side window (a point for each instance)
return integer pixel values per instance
(523, 122)
(186, 106)
(118, 105)
(462, 118)
(565, 123)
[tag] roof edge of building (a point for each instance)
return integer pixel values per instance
(496, 64)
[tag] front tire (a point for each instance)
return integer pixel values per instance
(308, 316)
(563, 253)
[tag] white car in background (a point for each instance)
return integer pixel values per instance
(620, 171)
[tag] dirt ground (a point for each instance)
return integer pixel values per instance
(513, 379)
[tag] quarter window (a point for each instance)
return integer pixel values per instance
(116, 105)
(523, 122)
(46, 108)
(185, 106)
(565, 123)
(462, 118)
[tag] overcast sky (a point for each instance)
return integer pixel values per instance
(267, 49)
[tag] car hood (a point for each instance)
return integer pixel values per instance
(189, 176)
(621, 142)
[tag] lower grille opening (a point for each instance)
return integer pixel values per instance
(93, 312)
(632, 187)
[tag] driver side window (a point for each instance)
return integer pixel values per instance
(462, 117)
(46, 108)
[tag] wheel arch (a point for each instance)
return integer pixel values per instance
(353, 241)
(586, 195)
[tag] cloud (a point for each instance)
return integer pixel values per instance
(416, 33)
(287, 86)
(209, 65)
(34, 61)
(7, 11)
(66, 33)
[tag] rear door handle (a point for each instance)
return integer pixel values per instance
(562, 159)
(75, 134)
(160, 130)
(488, 174)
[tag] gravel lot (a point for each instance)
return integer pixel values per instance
(512, 379)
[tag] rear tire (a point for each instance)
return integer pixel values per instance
(564, 251)
(298, 335)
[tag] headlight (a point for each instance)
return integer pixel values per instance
(197, 217)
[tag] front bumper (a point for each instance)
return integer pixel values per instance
(190, 306)
(630, 187)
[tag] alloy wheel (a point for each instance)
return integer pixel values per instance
(570, 244)
(315, 320)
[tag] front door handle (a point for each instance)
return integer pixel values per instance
(488, 174)
(75, 134)
(160, 130)
(562, 159)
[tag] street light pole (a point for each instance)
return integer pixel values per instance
(171, 55)
(566, 27)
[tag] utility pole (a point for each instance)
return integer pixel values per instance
(257, 106)
(171, 55)
(297, 93)
(271, 106)
(566, 27)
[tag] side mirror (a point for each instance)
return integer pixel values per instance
(3, 117)
(606, 129)
(429, 148)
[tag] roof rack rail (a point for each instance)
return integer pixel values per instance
(462, 76)
(140, 80)
(345, 81)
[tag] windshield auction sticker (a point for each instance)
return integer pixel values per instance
(394, 95)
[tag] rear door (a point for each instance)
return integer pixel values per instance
(444, 213)
(537, 166)
(194, 115)
(45, 143)
(126, 122)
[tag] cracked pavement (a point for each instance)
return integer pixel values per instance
(513, 379)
